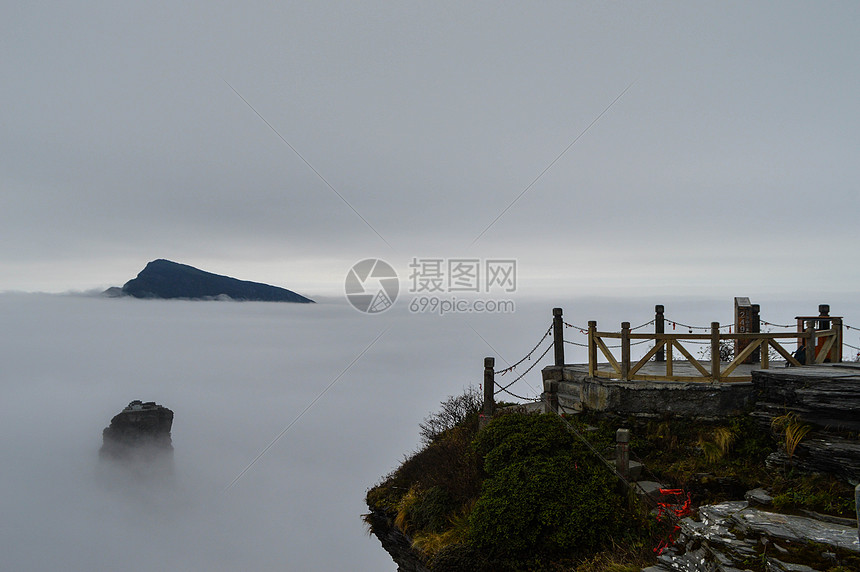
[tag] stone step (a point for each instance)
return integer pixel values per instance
(649, 489)
(635, 471)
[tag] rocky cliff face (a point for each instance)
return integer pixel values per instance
(139, 438)
(139, 424)
(827, 398)
(166, 279)
(395, 542)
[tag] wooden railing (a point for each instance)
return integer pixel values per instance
(818, 345)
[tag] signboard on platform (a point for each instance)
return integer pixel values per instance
(743, 323)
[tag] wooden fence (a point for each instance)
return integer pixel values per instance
(753, 347)
(818, 345)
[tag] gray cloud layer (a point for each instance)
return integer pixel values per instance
(237, 374)
(122, 143)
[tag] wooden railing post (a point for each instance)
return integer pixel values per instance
(489, 389)
(824, 312)
(669, 365)
(592, 348)
(659, 328)
(837, 351)
(810, 342)
(715, 351)
(756, 329)
(824, 324)
(625, 350)
(558, 335)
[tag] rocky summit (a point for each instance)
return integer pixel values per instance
(140, 427)
(167, 279)
(137, 446)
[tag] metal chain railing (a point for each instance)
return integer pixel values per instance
(528, 356)
(642, 325)
(531, 367)
(613, 346)
(689, 327)
(512, 394)
(766, 323)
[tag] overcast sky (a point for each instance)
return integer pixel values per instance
(729, 162)
(653, 151)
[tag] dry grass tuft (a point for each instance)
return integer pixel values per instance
(405, 507)
(430, 543)
(792, 430)
(719, 443)
(619, 558)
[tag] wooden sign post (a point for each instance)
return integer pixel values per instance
(743, 323)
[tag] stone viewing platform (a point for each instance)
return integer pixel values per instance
(576, 390)
(737, 373)
(825, 396)
(667, 379)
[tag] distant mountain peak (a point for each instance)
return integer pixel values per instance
(167, 279)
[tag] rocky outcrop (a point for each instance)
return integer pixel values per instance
(395, 542)
(139, 433)
(825, 453)
(827, 399)
(827, 396)
(166, 279)
(731, 536)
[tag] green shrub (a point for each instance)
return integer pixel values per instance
(448, 462)
(512, 438)
(814, 492)
(457, 557)
(431, 513)
(543, 494)
(753, 445)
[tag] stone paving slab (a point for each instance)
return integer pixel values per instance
(797, 528)
(726, 535)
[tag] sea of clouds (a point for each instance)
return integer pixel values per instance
(348, 388)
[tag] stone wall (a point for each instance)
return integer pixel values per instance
(690, 399)
(825, 396)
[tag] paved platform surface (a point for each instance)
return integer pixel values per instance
(743, 372)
